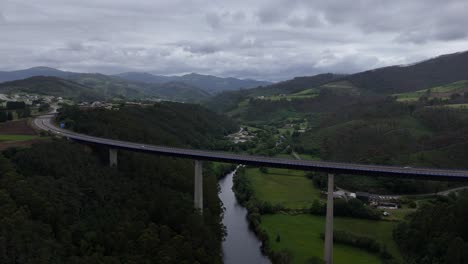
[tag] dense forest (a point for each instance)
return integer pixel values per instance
(166, 123)
(61, 203)
(437, 232)
(387, 132)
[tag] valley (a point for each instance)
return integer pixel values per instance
(328, 117)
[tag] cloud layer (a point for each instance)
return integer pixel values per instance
(264, 39)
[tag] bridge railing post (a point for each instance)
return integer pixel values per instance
(198, 184)
(112, 157)
(328, 249)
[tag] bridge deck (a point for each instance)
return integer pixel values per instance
(45, 123)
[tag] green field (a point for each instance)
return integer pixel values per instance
(286, 131)
(343, 87)
(289, 188)
(456, 106)
(308, 93)
(337, 87)
(442, 92)
(300, 235)
(5, 138)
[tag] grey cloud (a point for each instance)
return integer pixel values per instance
(213, 19)
(264, 39)
(269, 15)
(76, 46)
(202, 49)
(238, 16)
(308, 21)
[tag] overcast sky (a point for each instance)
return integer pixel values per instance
(261, 39)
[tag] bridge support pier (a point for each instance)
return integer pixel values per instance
(328, 252)
(198, 192)
(112, 157)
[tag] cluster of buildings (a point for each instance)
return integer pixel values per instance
(379, 201)
(301, 128)
(111, 106)
(95, 104)
(29, 99)
(241, 136)
(375, 200)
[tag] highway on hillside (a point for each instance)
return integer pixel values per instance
(46, 123)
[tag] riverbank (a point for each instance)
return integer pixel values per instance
(241, 245)
(275, 198)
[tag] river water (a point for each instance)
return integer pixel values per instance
(241, 244)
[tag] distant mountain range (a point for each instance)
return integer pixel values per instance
(187, 88)
(229, 91)
(208, 83)
(6, 76)
(52, 86)
(89, 87)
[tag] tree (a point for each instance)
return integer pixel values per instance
(455, 251)
(278, 238)
(3, 116)
(15, 105)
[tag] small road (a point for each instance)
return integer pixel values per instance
(46, 123)
(296, 156)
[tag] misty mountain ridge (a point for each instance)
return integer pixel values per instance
(89, 87)
(208, 83)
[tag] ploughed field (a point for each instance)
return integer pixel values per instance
(17, 134)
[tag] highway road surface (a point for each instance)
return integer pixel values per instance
(46, 123)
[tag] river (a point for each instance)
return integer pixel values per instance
(241, 244)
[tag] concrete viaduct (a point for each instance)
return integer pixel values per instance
(46, 123)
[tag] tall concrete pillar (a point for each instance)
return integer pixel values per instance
(198, 192)
(328, 252)
(113, 157)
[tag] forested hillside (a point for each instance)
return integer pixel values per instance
(61, 203)
(208, 83)
(166, 123)
(112, 86)
(437, 232)
(229, 100)
(387, 132)
(434, 72)
(386, 81)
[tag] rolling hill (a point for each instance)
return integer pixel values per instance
(113, 86)
(228, 100)
(90, 87)
(439, 71)
(426, 74)
(208, 83)
(51, 86)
